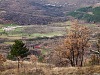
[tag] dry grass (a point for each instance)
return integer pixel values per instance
(29, 68)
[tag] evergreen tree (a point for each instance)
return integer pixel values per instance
(19, 50)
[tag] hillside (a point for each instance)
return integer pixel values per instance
(89, 14)
(29, 12)
(25, 12)
(71, 5)
(30, 68)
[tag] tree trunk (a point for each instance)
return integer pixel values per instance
(81, 61)
(18, 63)
(77, 57)
(72, 57)
(71, 62)
(82, 57)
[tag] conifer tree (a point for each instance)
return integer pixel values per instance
(19, 50)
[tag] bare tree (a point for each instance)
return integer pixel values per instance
(74, 45)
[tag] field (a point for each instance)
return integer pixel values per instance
(31, 31)
(13, 31)
(36, 68)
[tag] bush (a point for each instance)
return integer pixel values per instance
(95, 60)
(2, 60)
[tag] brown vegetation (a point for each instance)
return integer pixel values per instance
(74, 45)
(2, 60)
(47, 69)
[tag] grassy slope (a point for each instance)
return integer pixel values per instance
(47, 69)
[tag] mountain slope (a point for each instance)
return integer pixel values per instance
(29, 12)
(38, 11)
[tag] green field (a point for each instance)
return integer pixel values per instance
(30, 31)
(34, 31)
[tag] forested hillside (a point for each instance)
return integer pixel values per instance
(89, 14)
